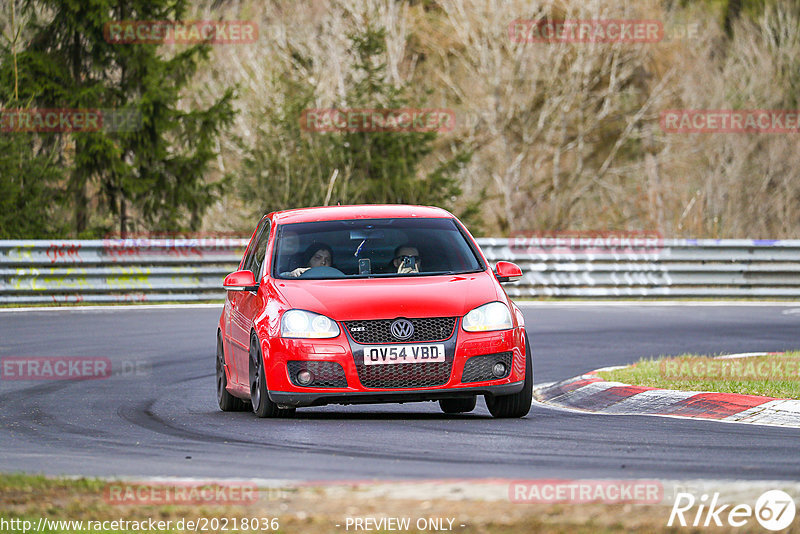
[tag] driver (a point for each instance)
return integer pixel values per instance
(316, 255)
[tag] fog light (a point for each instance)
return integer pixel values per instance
(304, 377)
(499, 369)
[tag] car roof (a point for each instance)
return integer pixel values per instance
(362, 211)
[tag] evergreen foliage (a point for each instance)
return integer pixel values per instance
(150, 171)
(289, 167)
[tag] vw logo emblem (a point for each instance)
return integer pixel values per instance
(402, 329)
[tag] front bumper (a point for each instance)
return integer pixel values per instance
(316, 398)
(349, 388)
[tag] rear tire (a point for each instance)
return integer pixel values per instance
(226, 401)
(516, 404)
(458, 405)
(259, 394)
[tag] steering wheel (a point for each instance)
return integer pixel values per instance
(323, 272)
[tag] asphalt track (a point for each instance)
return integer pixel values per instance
(163, 419)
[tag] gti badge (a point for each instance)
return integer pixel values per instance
(402, 329)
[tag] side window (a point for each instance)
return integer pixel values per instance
(259, 242)
(261, 250)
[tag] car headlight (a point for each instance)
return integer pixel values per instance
(492, 316)
(300, 323)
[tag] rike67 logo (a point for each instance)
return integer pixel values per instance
(774, 510)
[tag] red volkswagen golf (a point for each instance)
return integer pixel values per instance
(368, 304)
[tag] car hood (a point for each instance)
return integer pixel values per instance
(388, 298)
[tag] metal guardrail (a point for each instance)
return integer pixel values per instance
(693, 268)
(159, 270)
(116, 270)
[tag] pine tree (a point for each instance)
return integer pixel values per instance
(289, 167)
(154, 166)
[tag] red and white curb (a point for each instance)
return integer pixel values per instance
(590, 393)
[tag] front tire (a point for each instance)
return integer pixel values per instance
(226, 401)
(259, 394)
(458, 405)
(516, 404)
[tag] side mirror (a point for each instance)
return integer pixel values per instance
(240, 281)
(505, 271)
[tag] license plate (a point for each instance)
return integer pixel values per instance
(392, 354)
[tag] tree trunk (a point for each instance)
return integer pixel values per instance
(80, 206)
(123, 217)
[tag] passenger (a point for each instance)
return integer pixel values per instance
(316, 255)
(407, 259)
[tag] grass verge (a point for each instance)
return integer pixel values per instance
(474, 509)
(771, 375)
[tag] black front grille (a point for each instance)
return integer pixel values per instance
(479, 368)
(404, 375)
(379, 331)
(325, 374)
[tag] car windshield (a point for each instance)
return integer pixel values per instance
(367, 248)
